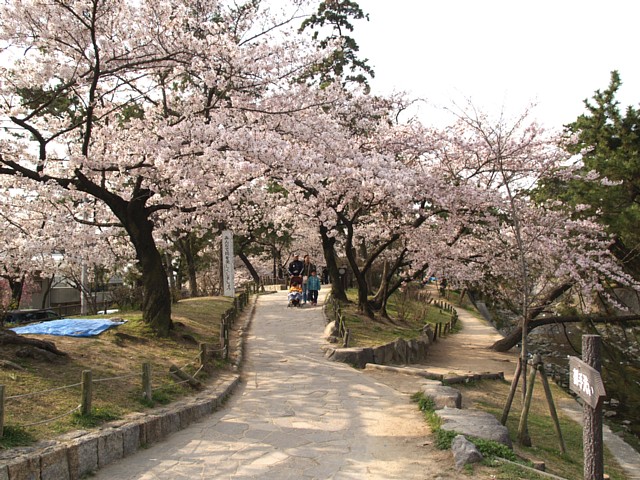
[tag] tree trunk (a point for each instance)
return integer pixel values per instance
(156, 301)
(328, 243)
(193, 278)
(16, 289)
(379, 302)
(9, 337)
(368, 275)
(188, 251)
(508, 342)
(168, 265)
(247, 263)
(515, 335)
(47, 291)
(361, 281)
(275, 263)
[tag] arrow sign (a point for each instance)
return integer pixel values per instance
(586, 382)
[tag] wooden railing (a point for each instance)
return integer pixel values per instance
(180, 375)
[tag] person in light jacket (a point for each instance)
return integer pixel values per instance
(313, 286)
(307, 267)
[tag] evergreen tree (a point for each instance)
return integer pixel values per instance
(606, 144)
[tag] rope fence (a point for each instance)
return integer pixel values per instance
(441, 329)
(341, 324)
(199, 362)
(42, 422)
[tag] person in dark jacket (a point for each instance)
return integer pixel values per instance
(295, 267)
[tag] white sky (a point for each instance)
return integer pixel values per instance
(503, 53)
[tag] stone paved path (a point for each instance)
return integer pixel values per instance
(296, 416)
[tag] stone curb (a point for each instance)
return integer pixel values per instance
(77, 454)
(448, 402)
(406, 370)
(242, 334)
(400, 351)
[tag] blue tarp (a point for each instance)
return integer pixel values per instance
(69, 327)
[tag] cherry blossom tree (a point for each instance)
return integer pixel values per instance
(517, 251)
(160, 111)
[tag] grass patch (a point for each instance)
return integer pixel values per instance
(115, 357)
(15, 437)
(97, 417)
(490, 396)
(408, 316)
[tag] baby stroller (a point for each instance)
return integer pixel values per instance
(295, 292)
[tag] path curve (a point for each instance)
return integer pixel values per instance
(468, 352)
(296, 415)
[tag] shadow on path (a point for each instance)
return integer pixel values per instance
(296, 415)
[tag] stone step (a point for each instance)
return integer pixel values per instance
(474, 423)
(442, 396)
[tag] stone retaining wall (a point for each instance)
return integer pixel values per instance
(398, 352)
(75, 455)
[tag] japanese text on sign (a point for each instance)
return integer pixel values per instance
(228, 273)
(586, 381)
(581, 381)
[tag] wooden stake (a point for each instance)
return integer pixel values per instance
(146, 382)
(1, 410)
(203, 354)
(552, 407)
(87, 385)
(512, 393)
(523, 431)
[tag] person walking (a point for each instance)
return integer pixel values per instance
(313, 285)
(307, 268)
(295, 267)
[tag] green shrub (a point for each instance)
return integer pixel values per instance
(15, 437)
(95, 418)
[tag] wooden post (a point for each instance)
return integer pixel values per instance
(512, 393)
(523, 431)
(87, 384)
(347, 336)
(552, 407)
(183, 376)
(203, 353)
(1, 410)
(592, 417)
(147, 393)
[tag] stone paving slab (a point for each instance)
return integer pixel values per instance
(296, 415)
(475, 423)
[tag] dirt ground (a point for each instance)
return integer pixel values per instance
(465, 352)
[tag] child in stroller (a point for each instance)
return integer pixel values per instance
(295, 291)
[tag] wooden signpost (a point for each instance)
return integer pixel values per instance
(586, 382)
(228, 287)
